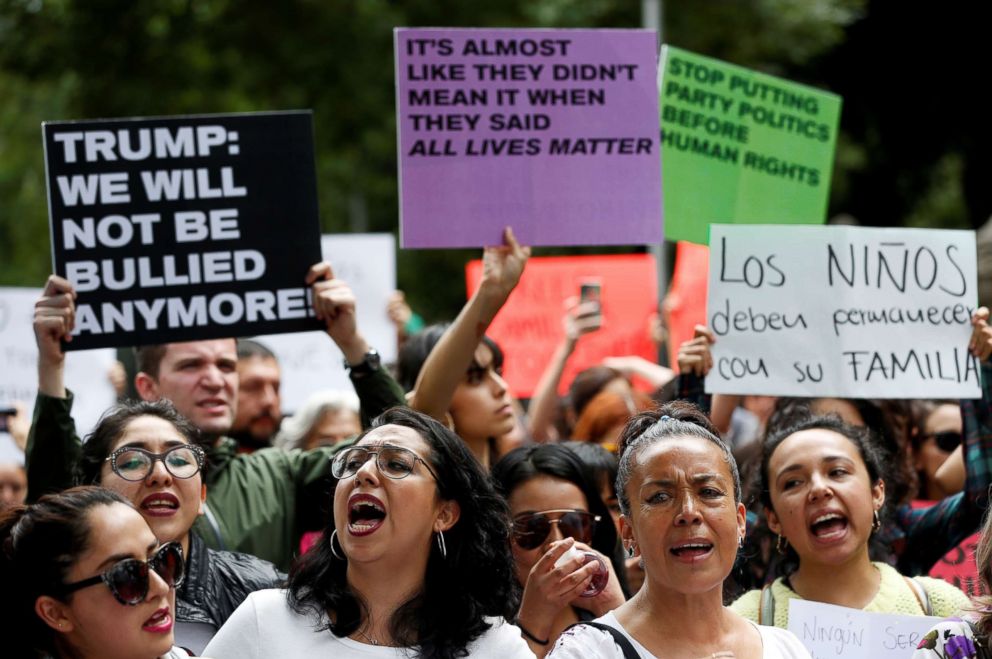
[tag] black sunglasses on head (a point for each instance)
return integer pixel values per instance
(128, 579)
(530, 530)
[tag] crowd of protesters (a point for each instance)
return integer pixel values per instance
(426, 513)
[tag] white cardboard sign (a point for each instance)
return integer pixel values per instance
(842, 311)
(86, 371)
(829, 631)
(309, 360)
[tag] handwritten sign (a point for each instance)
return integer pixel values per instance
(554, 132)
(310, 361)
(529, 326)
(86, 373)
(184, 228)
(741, 146)
(842, 311)
(835, 631)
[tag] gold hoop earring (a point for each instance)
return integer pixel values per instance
(781, 544)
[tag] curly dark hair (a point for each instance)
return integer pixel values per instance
(114, 422)
(871, 454)
(671, 420)
(416, 349)
(475, 580)
(39, 544)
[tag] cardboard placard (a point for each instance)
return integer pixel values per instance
(835, 631)
(842, 312)
(741, 146)
(529, 326)
(184, 228)
(310, 361)
(554, 132)
(86, 373)
(685, 304)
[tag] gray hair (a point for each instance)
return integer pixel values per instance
(295, 428)
(672, 420)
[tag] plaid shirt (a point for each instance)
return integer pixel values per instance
(919, 538)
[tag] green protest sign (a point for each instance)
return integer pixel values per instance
(741, 147)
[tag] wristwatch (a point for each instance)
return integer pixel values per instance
(370, 363)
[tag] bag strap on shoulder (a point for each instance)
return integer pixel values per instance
(921, 595)
(766, 608)
(628, 648)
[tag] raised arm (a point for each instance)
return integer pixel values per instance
(334, 303)
(577, 320)
(930, 533)
(53, 448)
(695, 361)
(445, 367)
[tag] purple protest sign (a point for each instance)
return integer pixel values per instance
(552, 132)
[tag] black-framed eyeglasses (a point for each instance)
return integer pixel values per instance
(135, 464)
(393, 461)
(530, 530)
(128, 579)
(947, 441)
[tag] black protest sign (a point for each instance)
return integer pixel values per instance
(184, 228)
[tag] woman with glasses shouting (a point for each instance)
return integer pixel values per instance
(147, 452)
(84, 577)
(564, 544)
(414, 565)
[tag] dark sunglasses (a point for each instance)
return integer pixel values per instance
(947, 441)
(393, 461)
(135, 464)
(530, 530)
(128, 579)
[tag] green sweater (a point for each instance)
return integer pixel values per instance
(259, 503)
(894, 596)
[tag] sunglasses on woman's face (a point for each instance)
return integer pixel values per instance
(947, 441)
(128, 579)
(530, 530)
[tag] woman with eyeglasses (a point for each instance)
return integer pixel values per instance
(84, 577)
(680, 497)
(414, 565)
(147, 452)
(558, 516)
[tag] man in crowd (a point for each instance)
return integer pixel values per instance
(259, 503)
(259, 405)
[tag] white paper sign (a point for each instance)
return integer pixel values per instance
(842, 311)
(309, 360)
(829, 631)
(86, 371)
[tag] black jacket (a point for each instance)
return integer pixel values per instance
(218, 581)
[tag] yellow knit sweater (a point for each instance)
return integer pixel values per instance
(894, 596)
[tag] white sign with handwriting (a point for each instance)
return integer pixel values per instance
(842, 311)
(829, 631)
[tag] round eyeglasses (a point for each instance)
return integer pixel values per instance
(128, 579)
(135, 464)
(393, 461)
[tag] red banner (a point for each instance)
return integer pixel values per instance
(685, 304)
(529, 326)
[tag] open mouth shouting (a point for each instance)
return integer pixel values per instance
(160, 623)
(691, 551)
(366, 514)
(160, 504)
(828, 526)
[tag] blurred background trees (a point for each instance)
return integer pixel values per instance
(912, 150)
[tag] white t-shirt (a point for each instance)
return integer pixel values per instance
(265, 626)
(587, 642)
